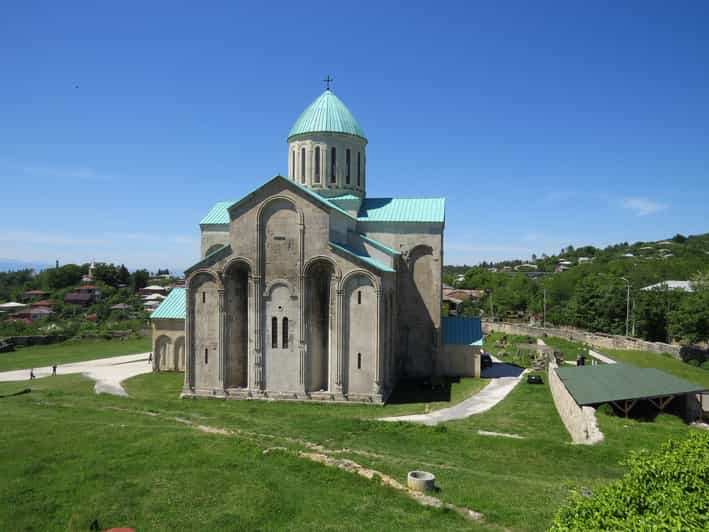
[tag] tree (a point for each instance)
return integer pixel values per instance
(65, 276)
(140, 279)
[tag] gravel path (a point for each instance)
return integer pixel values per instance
(107, 372)
(477, 403)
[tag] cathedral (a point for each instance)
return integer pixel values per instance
(309, 289)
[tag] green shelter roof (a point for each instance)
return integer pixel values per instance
(327, 114)
(402, 210)
(172, 307)
(605, 383)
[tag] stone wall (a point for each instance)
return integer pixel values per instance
(598, 340)
(458, 361)
(580, 421)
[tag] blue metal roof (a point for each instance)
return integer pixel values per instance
(327, 114)
(364, 258)
(172, 307)
(462, 331)
(402, 210)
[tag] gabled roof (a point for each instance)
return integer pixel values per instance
(461, 330)
(173, 307)
(402, 210)
(219, 213)
(210, 259)
(327, 114)
(361, 257)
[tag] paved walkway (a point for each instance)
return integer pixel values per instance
(477, 403)
(107, 372)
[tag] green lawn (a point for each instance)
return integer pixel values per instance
(571, 350)
(71, 351)
(128, 462)
(508, 353)
(664, 362)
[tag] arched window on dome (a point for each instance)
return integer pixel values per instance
(293, 167)
(347, 166)
(359, 169)
(316, 175)
(333, 165)
(302, 165)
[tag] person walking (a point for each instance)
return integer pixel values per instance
(54, 370)
(150, 358)
(32, 374)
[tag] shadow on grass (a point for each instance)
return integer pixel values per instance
(423, 390)
(499, 369)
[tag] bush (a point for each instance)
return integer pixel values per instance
(694, 362)
(704, 365)
(663, 490)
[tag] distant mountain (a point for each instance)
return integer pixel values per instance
(12, 265)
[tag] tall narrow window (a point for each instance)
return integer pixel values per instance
(347, 166)
(359, 360)
(333, 165)
(274, 332)
(359, 169)
(302, 165)
(204, 297)
(316, 177)
(284, 341)
(206, 355)
(359, 297)
(293, 166)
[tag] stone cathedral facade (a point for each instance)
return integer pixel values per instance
(307, 288)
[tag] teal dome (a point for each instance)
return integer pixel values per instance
(327, 114)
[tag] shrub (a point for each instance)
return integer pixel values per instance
(663, 490)
(694, 362)
(704, 365)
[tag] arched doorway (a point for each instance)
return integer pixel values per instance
(161, 353)
(318, 303)
(236, 300)
(179, 354)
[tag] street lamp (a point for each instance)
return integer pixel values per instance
(627, 307)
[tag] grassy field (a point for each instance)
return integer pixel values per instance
(68, 456)
(508, 353)
(70, 351)
(571, 350)
(664, 362)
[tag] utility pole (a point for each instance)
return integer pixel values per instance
(627, 308)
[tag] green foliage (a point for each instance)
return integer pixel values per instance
(592, 295)
(64, 276)
(664, 490)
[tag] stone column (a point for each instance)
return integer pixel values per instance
(189, 347)
(258, 353)
(302, 349)
(339, 355)
(222, 353)
(377, 343)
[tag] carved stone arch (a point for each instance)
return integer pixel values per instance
(162, 352)
(235, 261)
(416, 252)
(337, 272)
(280, 197)
(354, 273)
(206, 271)
(274, 283)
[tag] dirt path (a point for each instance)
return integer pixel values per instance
(107, 372)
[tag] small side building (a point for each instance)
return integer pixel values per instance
(462, 344)
(168, 325)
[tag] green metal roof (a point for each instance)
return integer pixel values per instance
(458, 330)
(604, 383)
(386, 249)
(402, 210)
(364, 258)
(218, 214)
(172, 307)
(327, 114)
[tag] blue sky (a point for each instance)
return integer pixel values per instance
(543, 123)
